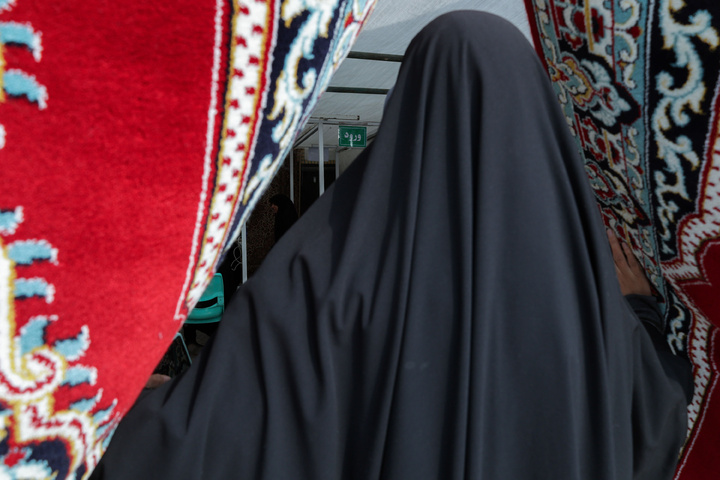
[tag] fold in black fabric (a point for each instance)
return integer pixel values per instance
(646, 308)
(447, 310)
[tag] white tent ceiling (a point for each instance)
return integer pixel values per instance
(389, 30)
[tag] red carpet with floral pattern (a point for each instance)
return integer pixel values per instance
(135, 137)
(638, 82)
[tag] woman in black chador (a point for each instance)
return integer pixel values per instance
(449, 309)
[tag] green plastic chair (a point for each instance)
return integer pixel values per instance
(211, 305)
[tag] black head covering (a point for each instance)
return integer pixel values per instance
(448, 309)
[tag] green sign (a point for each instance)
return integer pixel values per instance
(352, 136)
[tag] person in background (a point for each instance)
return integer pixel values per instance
(285, 214)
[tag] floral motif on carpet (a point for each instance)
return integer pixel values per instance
(135, 139)
(638, 82)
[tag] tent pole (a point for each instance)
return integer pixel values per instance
(243, 233)
(337, 165)
(321, 160)
(292, 171)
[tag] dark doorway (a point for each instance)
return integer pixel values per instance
(309, 178)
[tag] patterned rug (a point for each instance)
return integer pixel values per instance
(136, 137)
(638, 82)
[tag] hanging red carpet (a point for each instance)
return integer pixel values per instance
(135, 137)
(639, 84)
